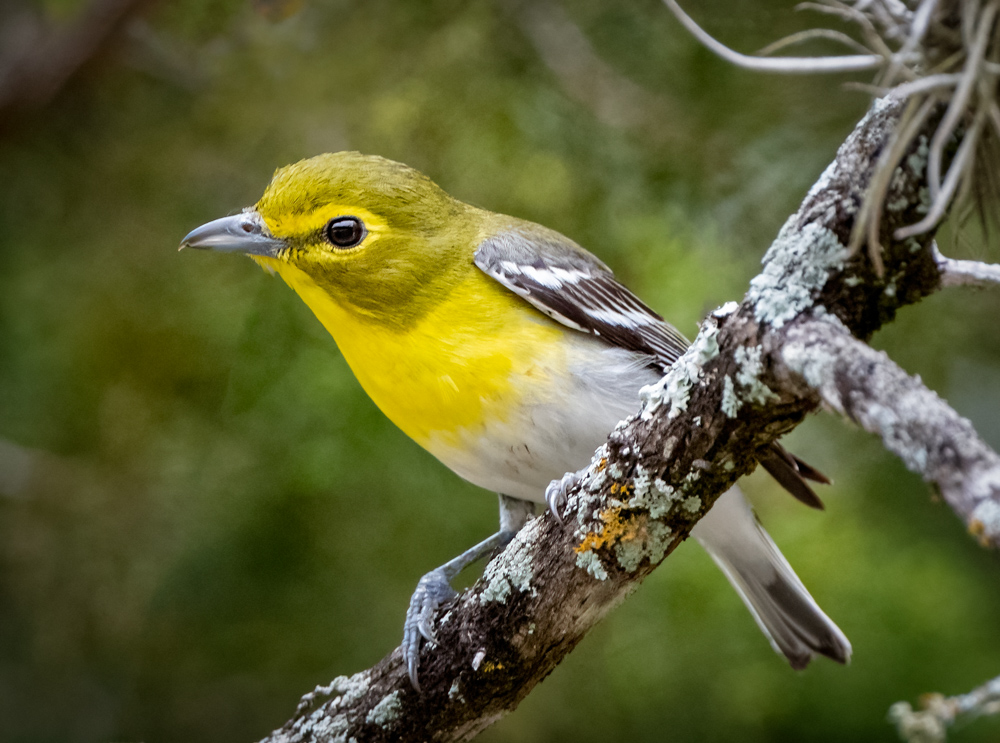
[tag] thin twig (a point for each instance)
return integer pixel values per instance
(924, 84)
(994, 110)
(965, 273)
(810, 34)
(868, 388)
(959, 103)
(787, 65)
(970, 15)
(963, 158)
(854, 15)
(869, 219)
(918, 26)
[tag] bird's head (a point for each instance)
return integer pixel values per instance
(372, 233)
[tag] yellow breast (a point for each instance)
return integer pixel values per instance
(478, 357)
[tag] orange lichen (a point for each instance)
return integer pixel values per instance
(616, 528)
(621, 489)
(978, 529)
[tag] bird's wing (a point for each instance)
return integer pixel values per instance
(574, 288)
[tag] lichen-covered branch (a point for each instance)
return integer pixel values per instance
(796, 342)
(966, 273)
(938, 713)
(865, 386)
(736, 390)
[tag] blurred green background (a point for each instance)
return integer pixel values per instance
(201, 514)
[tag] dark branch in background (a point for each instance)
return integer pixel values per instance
(38, 58)
(613, 98)
(753, 373)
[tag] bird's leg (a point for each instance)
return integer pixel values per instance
(514, 513)
(435, 587)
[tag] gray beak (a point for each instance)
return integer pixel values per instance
(241, 233)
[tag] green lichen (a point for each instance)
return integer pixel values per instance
(386, 711)
(630, 554)
(917, 160)
(674, 389)
(592, 564)
(641, 481)
(345, 691)
(796, 267)
(512, 570)
(322, 726)
(594, 480)
(349, 688)
(748, 375)
(652, 545)
(731, 403)
(812, 363)
(655, 496)
(923, 200)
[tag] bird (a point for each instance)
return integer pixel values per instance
(505, 350)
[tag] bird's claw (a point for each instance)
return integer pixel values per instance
(557, 493)
(432, 591)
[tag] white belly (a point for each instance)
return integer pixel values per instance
(559, 430)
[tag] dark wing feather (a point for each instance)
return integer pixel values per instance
(574, 288)
(564, 281)
(785, 468)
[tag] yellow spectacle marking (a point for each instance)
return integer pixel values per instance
(289, 223)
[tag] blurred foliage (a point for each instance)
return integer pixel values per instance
(201, 514)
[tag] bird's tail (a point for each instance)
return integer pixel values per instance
(786, 613)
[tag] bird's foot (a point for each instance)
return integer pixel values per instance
(557, 493)
(432, 591)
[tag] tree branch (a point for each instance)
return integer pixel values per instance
(866, 387)
(753, 373)
(966, 273)
(930, 724)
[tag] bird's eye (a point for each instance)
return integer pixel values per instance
(345, 232)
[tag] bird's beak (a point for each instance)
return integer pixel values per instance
(241, 233)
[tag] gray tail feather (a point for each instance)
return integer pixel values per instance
(784, 610)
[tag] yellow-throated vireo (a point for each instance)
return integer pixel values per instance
(505, 350)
